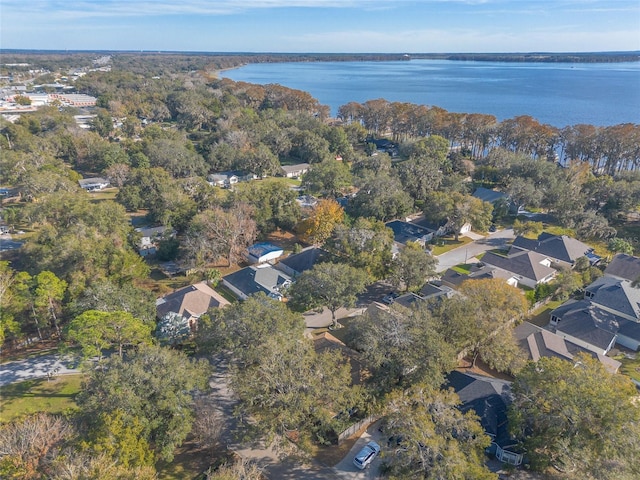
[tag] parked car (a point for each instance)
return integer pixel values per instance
(493, 228)
(366, 455)
(390, 297)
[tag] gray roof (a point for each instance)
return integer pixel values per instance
(252, 279)
(93, 181)
(295, 168)
(538, 342)
(305, 260)
(404, 232)
(434, 291)
(624, 266)
(487, 195)
(190, 301)
(559, 247)
(588, 323)
(524, 263)
(617, 295)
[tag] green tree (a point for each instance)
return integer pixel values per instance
(381, 197)
(155, 386)
(437, 441)
(412, 267)
(620, 245)
(365, 245)
(459, 209)
(577, 417)
(527, 228)
(480, 320)
(97, 331)
(402, 347)
(48, 292)
(331, 285)
(328, 178)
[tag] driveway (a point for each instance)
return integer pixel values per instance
(466, 253)
(37, 367)
(346, 469)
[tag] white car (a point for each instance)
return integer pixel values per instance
(366, 455)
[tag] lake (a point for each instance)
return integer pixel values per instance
(559, 94)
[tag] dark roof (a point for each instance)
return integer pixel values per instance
(251, 280)
(407, 299)
(588, 323)
(624, 266)
(455, 278)
(435, 226)
(404, 232)
(617, 295)
(559, 247)
(523, 263)
(488, 398)
(305, 260)
(434, 291)
(487, 195)
(538, 342)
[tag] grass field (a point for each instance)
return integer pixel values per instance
(32, 396)
(446, 244)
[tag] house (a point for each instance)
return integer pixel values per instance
(439, 228)
(454, 279)
(404, 232)
(538, 342)
(93, 184)
(561, 249)
(608, 314)
(624, 267)
(326, 342)
(525, 267)
(223, 179)
(297, 263)
(495, 197)
(263, 252)
(489, 399)
(150, 237)
(294, 171)
(178, 312)
(431, 291)
(255, 279)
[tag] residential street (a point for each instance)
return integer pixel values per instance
(36, 367)
(467, 252)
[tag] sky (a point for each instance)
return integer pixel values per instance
(322, 26)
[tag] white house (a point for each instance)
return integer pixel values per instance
(94, 183)
(294, 171)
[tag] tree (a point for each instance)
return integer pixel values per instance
(365, 245)
(459, 209)
(402, 347)
(436, 440)
(218, 233)
(578, 418)
(319, 226)
(382, 197)
(153, 385)
(412, 267)
(97, 331)
(242, 327)
(48, 292)
(243, 469)
(527, 228)
(480, 320)
(331, 285)
(28, 445)
(329, 178)
(620, 245)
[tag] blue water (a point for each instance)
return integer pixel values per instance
(559, 94)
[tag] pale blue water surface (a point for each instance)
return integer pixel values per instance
(559, 94)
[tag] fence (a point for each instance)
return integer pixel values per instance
(365, 422)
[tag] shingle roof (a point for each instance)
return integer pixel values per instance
(524, 263)
(617, 295)
(559, 247)
(305, 260)
(190, 301)
(404, 232)
(624, 266)
(295, 168)
(588, 323)
(538, 342)
(250, 280)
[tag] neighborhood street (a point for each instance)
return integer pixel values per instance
(37, 367)
(465, 253)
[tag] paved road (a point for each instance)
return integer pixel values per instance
(466, 253)
(36, 367)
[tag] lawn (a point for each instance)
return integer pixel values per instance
(630, 366)
(463, 268)
(40, 395)
(542, 315)
(445, 244)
